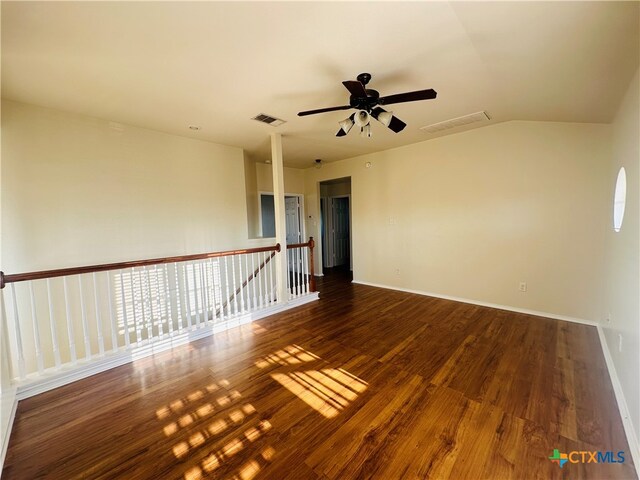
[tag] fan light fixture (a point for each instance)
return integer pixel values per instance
(362, 118)
(346, 124)
(385, 118)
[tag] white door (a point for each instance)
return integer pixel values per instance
(292, 215)
(340, 230)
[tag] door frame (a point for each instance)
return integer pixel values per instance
(329, 245)
(301, 222)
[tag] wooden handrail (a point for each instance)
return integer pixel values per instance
(297, 245)
(63, 272)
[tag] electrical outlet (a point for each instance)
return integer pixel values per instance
(397, 271)
(392, 220)
(523, 286)
(620, 342)
(608, 318)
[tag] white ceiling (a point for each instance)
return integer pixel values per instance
(166, 65)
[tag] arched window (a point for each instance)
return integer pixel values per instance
(619, 199)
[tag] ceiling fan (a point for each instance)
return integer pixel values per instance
(367, 102)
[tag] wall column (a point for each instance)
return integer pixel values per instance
(281, 228)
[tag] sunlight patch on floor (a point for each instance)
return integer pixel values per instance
(328, 391)
(176, 406)
(289, 355)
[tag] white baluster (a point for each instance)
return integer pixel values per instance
(16, 319)
(112, 317)
(195, 294)
(70, 330)
(214, 287)
(98, 317)
(136, 327)
(297, 271)
(205, 292)
(85, 325)
(187, 294)
(271, 296)
(148, 322)
(235, 288)
(152, 312)
(167, 300)
(248, 288)
(286, 253)
(261, 259)
(123, 303)
(306, 264)
(52, 325)
(180, 306)
(226, 277)
(300, 269)
(294, 273)
(211, 288)
(241, 281)
(36, 330)
(159, 310)
(253, 272)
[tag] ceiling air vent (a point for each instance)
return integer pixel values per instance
(457, 122)
(268, 119)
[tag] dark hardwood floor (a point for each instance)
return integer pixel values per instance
(366, 383)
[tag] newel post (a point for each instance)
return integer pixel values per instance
(312, 279)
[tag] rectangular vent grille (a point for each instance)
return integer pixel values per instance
(268, 119)
(456, 122)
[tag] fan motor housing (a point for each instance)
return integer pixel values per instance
(365, 103)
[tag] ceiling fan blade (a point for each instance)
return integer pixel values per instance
(409, 97)
(396, 125)
(388, 119)
(322, 110)
(355, 88)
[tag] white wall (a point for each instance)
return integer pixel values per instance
(471, 215)
(623, 254)
(76, 191)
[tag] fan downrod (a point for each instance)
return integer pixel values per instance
(364, 78)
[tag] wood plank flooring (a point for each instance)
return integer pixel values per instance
(364, 384)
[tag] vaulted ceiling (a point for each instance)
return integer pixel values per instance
(168, 65)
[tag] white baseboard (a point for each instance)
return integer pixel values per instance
(8, 406)
(629, 430)
(36, 384)
(484, 304)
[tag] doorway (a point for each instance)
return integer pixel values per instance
(293, 217)
(335, 210)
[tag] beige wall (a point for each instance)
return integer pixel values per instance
(251, 190)
(293, 179)
(336, 189)
(75, 191)
(623, 254)
(259, 178)
(473, 214)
